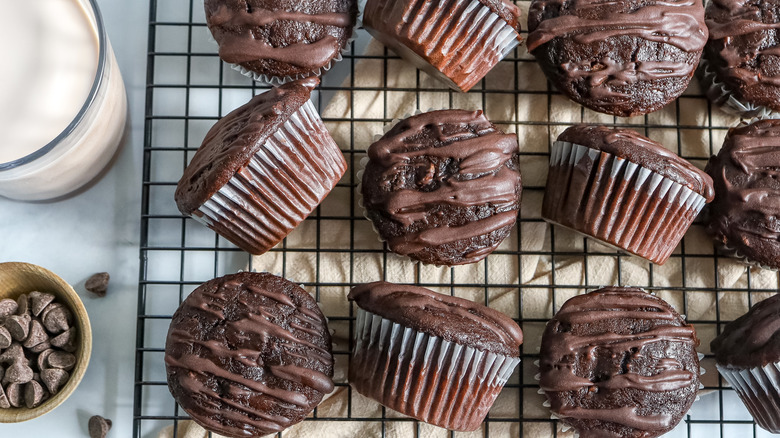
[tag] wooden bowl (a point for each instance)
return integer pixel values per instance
(19, 278)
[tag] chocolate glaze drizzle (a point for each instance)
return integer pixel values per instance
(744, 214)
(619, 361)
(450, 318)
(248, 354)
(238, 30)
(752, 340)
(743, 57)
(457, 159)
(600, 71)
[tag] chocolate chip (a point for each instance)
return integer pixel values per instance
(5, 338)
(60, 359)
(18, 326)
(8, 307)
(36, 336)
(39, 301)
(14, 394)
(18, 373)
(43, 359)
(99, 427)
(24, 305)
(65, 340)
(54, 379)
(98, 284)
(34, 394)
(3, 399)
(45, 345)
(13, 354)
(56, 318)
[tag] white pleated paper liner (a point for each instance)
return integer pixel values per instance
(456, 41)
(286, 179)
(618, 202)
(759, 389)
(723, 96)
(423, 376)
(562, 422)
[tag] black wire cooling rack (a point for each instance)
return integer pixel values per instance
(188, 89)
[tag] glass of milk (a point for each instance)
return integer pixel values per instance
(63, 106)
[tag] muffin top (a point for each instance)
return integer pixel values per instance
(621, 362)
(234, 139)
(743, 48)
(248, 354)
(281, 38)
(624, 57)
(743, 215)
(450, 318)
(443, 187)
(640, 150)
(753, 339)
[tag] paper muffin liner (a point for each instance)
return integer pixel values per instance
(276, 81)
(723, 96)
(423, 376)
(565, 427)
(451, 39)
(759, 389)
(644, 213)
(286, 179)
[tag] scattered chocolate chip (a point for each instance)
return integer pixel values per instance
(33, 394)
(8, 307)
(5, 338)
(99, 427)
(45, 345)
(60, 359)
(65, 340)
(18, 373)
(3, 399)
(56, 318)
(36, 336)
(18, 326)
(98, 284)
(24, 305)
(39, 301)
(13, 354)
(54, 379)
(14, 394)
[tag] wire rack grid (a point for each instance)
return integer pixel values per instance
(528, 277)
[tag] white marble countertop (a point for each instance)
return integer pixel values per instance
(93, 231)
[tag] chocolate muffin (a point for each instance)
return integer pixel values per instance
(443, 187)
(747, 355)
(624, 57)
(281, 39)
(619, 362)
(623, 189)
(248, 354)
(741, 65)
(743, 216)
(455, 41)
(262, 169)
(437, 358)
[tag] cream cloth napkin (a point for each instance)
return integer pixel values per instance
(522, 283)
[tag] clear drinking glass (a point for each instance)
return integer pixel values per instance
(86, 146)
